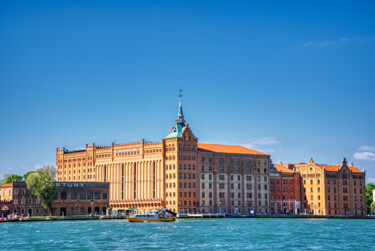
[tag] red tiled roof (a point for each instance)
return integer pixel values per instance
(355, 170)
(7, 185)
(335, 168)
(282, 169)
(227, 149)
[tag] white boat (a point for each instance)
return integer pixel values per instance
(153, 215)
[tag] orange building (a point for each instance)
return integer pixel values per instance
(332, 189)
(285, 190)
(16, 198)
(147, 175)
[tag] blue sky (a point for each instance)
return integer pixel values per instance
(294, 79)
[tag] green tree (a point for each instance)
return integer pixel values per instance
(8, 178)
(369, 188)
(372, 207)
(27, 175)
(43, 183)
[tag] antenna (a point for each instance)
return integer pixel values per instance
(180, 95)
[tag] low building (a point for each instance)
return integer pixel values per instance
(17, 199)
(81, 198)
(73, 198)
(285, 190)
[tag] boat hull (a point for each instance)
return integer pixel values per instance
(131, 219)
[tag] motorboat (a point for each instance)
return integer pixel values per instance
(153, 215)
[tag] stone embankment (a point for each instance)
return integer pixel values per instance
(193, 216)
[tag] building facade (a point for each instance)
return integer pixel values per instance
(233, 179)
(332, 189)
(81, 198)
(16, 198)
(177, 173)
(285, 190)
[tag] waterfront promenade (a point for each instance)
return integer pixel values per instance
(192, 216)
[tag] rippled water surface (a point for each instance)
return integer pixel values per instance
(191, 234)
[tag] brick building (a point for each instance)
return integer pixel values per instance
(19, 200)
(81, 198)
(332, 189)
(233, 179)
(285, 190)
(169, 173)
(72, 199)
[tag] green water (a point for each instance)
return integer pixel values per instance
(192, 234)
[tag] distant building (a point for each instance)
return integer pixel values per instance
(233, 179)
(177, 173)
(332, 189)
(285, 190)
(72, 199)
(17, 199)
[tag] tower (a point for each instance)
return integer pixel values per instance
(181, 166)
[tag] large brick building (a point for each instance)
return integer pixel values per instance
(332, 189)
(177, 173)
(318, 189)
(233, 179)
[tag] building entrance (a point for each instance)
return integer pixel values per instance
(62, 211)
(4, 211)
(30, 212)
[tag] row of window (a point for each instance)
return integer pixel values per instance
(187, 185)
(284, 204)
(152, 151)
(180, 157)
(284, 189)
(278, 181)
(82, 195)
(232, 195)
(248, 203)
(238, 161)
(284, 197)
(186, 149)
(23, 191)
(232, 177)
(222, 186)
(186, 167)
(78, 177)
(344, 182)
(24, 201)
(185, 203)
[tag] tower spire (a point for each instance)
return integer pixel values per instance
(180, 115)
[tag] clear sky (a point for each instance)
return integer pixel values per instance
(294, 79)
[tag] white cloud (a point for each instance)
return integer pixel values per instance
(325, 43)
(364, 155)
(319, 43)
(258, 144)
(366, 148)
(262, 141)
